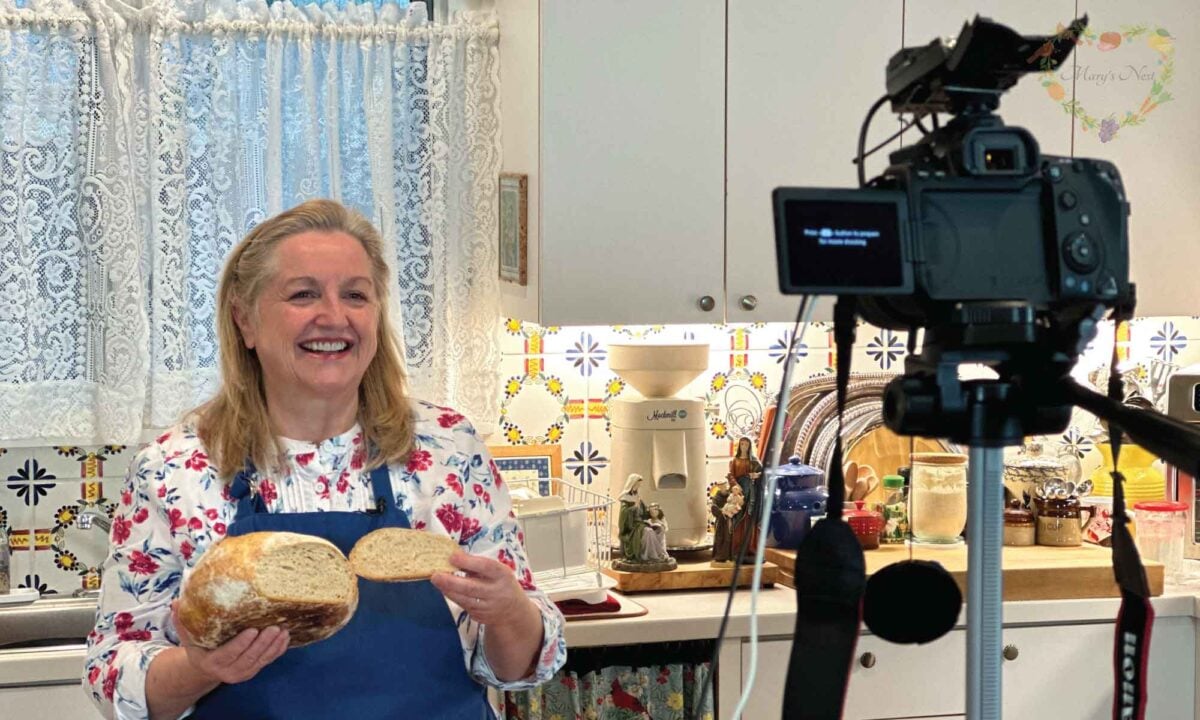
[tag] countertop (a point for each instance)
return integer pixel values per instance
(673, 616)
(687, 615)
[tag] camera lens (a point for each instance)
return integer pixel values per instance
(999, 159)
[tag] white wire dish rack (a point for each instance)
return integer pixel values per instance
(567, 529)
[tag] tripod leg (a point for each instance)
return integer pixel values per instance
(985, 540)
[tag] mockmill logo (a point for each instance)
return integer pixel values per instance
(671, 415)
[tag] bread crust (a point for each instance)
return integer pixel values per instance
(221, 598)
(429, 553)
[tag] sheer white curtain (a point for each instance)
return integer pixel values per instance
(137, 145)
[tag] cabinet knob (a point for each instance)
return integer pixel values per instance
(707, 303)
(1011, 652)
(867, 660)
(749, 302)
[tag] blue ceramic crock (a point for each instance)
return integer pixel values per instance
(800, 500)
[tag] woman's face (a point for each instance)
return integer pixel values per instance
(315, 324)
(743, 447)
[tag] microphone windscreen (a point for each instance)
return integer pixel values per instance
(911, 602)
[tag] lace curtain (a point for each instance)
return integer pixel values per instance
(137, 145)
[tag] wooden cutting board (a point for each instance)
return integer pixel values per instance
(1030, 573)
(690, 576)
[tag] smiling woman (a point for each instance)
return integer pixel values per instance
(314, 274)
(313, 432)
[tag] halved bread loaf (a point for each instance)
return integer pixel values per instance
(298, 582)
(396, 554)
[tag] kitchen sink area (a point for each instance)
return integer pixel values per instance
(43, 642)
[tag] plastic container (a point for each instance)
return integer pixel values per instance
(939, 497)
(894, 510)
(1161, 529)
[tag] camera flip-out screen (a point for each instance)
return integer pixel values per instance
(842, 242)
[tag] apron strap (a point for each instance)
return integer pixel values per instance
(381, 487)
(241, 490)
(249, 502)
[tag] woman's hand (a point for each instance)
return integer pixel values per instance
(489, 593)
(237, 660)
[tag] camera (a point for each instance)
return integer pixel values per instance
(972, 212)
(1004, 257)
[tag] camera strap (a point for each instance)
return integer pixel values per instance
(830, 578)
(1131, 651)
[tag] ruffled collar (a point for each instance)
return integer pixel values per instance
(336, 446)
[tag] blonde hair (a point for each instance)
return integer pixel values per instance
(234, 425)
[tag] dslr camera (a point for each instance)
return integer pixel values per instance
(1005, 256)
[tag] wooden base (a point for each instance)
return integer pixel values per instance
(1030, 573)
(690, 576)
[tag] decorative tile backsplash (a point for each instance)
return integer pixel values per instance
(555, 388)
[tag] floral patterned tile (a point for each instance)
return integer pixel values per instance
(16, 518)
(1164, 338)
(515, 334)
(12, 463)
(543, 401)
(86, 461)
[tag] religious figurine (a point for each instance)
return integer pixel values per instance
(642, 533)
(722, 535)
(633, 511)
(744, 472)
(654, 536)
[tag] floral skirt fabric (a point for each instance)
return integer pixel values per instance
(663, 692)
(659, 681)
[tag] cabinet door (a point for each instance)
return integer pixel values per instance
(46, 701)
(802, 76)
(632, 153)
(1134, 83)
(1065, 672)
(902, 681)
(908, 680)
(766, 700)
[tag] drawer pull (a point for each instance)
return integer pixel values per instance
(1011, 652)
(707, 303)
(867, 660)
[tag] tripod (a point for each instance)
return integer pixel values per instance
(985, 415)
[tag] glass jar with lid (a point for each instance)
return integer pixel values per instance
(939, 497)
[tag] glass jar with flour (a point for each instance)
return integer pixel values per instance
(939, 497)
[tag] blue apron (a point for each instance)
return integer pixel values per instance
(399, 657)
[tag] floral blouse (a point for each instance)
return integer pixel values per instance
(174, 506)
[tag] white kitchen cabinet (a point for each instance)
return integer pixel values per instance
(1059, 671)
(654, 133)
(1158, 155)
(46, 701)
(616, 111)
(801, 79)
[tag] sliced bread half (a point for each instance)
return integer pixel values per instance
(302, 583)
(398, 554)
